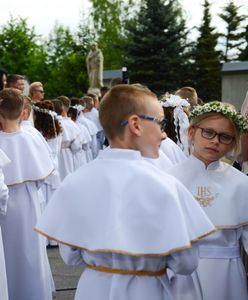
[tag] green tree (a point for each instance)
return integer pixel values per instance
(244, 52)
(66, 63)
(156, 44)
(207, 60)
(21, 50)
(108, 19)
(233, 37)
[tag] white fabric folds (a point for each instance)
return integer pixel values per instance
(35, 153)
(220, 189)
(131, 208)
(4, 160)
(172, 151)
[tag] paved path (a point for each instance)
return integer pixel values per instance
(65, 277)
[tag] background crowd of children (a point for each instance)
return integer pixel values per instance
(160, 213)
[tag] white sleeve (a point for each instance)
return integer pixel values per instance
(76, 144)
(71, 256)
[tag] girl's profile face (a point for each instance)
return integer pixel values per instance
(212, 138)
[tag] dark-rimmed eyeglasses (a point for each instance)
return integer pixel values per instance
(160, 121)
(209, 134)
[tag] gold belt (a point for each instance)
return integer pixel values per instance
(127, 272)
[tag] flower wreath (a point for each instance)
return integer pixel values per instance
(45, 111)
(225, 109)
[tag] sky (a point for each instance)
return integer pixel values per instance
(44, 14)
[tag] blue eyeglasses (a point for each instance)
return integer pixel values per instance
(160, 121)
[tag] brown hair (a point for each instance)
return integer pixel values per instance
(58, 106)
(48, 126)
(171, 129)
(27, 105)
(121, 102)
(73, 112)
(189, 93)
(11, 103)
(65, 101)
(13, 78)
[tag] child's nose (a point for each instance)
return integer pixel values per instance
(216, 139)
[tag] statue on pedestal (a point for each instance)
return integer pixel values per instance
(94, 63)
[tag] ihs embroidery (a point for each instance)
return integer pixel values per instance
(204, 196)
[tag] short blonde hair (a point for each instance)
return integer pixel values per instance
(34, 86)
(119, 103)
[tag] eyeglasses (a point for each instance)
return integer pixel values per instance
(160, 121)
(209, 134)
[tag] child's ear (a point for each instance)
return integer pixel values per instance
(191, 131)
(23, 114)
(134, 125)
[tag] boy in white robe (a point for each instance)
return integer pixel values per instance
(91, 113)
(27, 265)
(93, 133)
(137, 221)
(71, 146)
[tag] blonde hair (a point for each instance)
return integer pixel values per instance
(34, 86)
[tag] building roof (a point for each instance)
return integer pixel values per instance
(109, 74)
(235, 66)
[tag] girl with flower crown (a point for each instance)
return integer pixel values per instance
(222, 191)
(46, 123)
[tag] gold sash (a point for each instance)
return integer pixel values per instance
(127, 272)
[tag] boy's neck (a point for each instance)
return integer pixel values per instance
(10, 125)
